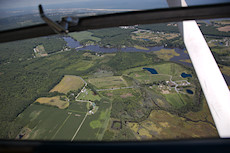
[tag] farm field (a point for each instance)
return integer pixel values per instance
(42, 121)
(39, 51)
(176, 100)
(49, 123)
(95, 125)
(145, 77)
(69, 120)
(53, 101)
(81, 65)
(108, 82)
(166, 54)
(225, 69)
(69, 82)
(79, 36)
(121, 94)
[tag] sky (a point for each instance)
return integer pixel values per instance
(21, 7)
(134, 4)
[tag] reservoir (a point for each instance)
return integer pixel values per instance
(151, 70)
(184, 75)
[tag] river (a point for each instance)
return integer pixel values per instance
(183, 56)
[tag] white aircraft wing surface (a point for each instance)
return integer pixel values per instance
(212, 82)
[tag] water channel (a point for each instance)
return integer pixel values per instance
(182, 55)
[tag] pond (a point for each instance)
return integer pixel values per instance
(189, 91)
(151, 70)
(184, 75)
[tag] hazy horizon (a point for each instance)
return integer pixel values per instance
(20, 7)
(129, 4)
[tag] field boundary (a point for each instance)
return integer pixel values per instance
(75, 134)
(61, 126)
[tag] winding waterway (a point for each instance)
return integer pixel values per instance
(182, 55)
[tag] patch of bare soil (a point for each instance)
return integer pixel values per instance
(126, 95)
(224, 29)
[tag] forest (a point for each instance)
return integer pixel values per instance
(23, 50)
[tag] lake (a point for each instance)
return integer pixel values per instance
(151, 70)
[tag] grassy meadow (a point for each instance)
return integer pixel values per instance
(79, 36)
(69, 82)
(53, 101)
(166, 54)
(108, 82)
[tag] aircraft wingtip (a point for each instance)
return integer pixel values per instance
(40, 9)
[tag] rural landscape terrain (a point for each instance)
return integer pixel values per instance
(123, 83)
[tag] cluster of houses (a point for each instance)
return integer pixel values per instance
(91, 112)
(129, 27)
(168, 85)
(224, 42)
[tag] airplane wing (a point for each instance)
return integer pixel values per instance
(212, 82)
(121, 19)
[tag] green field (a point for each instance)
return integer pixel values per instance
(165, 71)
(80, 65)
(79, 36)
(88, 95)
(166, 54)
(146, 77)
(43, 122)
(176, 100)
(53, 101)
(69, 82)
(108, 82)
(95, 125)
(121, 94)
(50, 123)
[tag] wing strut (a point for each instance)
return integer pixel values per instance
(63, 26)
(212, 82)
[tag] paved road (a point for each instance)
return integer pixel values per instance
(82, 88)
